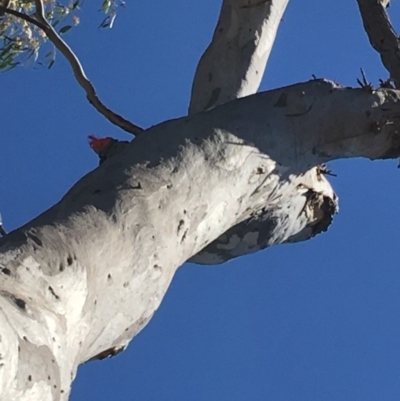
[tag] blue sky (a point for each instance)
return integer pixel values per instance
(313, 321)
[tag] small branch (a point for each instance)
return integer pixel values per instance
(364, 84)
(382, 35)
(28, 18)
(5, 4)
(41, 22)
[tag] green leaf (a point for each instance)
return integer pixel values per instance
(106, 5)
(65, 29)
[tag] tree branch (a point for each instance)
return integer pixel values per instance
(232, 67)
(41, 22)
(124, 237)
(23, 16)
(233, 64)
(382, 35)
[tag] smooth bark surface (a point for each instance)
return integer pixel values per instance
(88, 274)
(234, 62)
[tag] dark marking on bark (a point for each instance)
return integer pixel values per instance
(282, 101)
(300, 114)
(220, 30)
(184, 211)
(213, 98)
(61, 267)
(184, 236)
(95, 302)
(30, 378)
(97, 191)
(368, 113)
(109, 277)
(69, 260)
(6, 271)
(50, 288)
(323, 154)
(107, 353)
(210, 77)
(35, 239)
(126, 284)
(180, 225)
(48, 378)
(169, 186)
(19, 302)
(374, 127)
(256, 4)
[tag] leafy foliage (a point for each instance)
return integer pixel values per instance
(20, 41)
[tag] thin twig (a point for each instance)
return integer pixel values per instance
(41, 22)
(364, 83)
(25, 17)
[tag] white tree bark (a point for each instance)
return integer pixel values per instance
(88, 274)
(82, 279)
(234, 62)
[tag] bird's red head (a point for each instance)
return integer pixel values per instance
(99, 144)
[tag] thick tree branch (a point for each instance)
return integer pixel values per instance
(79, 73)
(123, 230)
(382, 35)
(234, 62)
(232, 67)
(122, 237)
